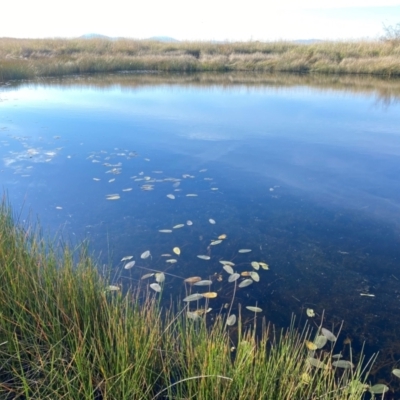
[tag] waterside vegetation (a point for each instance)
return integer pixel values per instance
(30, 58)
(65, 332)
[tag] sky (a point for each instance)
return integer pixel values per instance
(205, 20)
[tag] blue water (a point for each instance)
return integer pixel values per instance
(308, 179)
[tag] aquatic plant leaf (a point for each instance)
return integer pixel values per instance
(336, 356)
(223, 262)
(246, 282)
(222, 237)
(231, 320)
(255, 265)
(379, 388)
(396, 372)
(254, 309)
(113, 287)
(212, 221)
(160, 277)
(246, 273)
(311, 345)
(193, 315)
(191, 195)
(129, 265)
(320, 341)
(193, 297)
(126, 258)
(202, 257)
(228, 269)
(203, 283)
(171, 196)
(234, 277)
(343, 364)
(147, 275)
(145, 255)
(264, 265)
(328, 334)
(255, 276)
(171, 261)
(156, 287)
(176, 250)
(215, 242)
(244, 251)
(210, 295)
(189, 223)
(316, 363)
(178, 226)
(192, 279)
(165, 230)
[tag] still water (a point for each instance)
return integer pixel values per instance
(306, 176)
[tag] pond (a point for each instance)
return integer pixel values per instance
(303, 172)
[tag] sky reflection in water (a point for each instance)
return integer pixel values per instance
(307, 179)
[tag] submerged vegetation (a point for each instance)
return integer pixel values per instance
(30, 58)
(65, 332)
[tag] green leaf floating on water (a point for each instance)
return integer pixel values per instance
(379, 388)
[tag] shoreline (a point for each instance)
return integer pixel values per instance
(33, 58)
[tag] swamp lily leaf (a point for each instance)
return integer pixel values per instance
(178, 226)
(147, 275)
(343, 364)
(145, 255)
(156, 287)
(160, 277)
(328, 334)
(193, 279)
(205, 282)
(193, 297)
(310, 345)
(379, 388)
(234, 277)
(129, 265)
(126, 258)
(230, 263)
(171, 196)
(212, 221)
(264, 265)
(228, 269)
(310, 312)
(245, 283)
(231, 320)
(210, 295)
(255, 265)
(222, 237)
(202, 257)
(316, 363)
(254, 309)
(244, 251)
(176, 250)
(320, 341)
(215, 242)
(165, 230)
(255, 276)
(396, 372)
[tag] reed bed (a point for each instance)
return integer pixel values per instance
(65, 335)
(30, 58)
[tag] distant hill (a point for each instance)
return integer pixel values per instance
(95, 36)
(163, 39)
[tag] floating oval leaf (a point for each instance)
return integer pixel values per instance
(246, 282)
(129, 265)
(191, 195)
(171, 196)
(255, 276)
(126, 258)
(210, 295)
(244, 251)
(176, 250)
(228, 269)
(254, 309)
(211, 221)
(310, 345)
(379, 388)
(328, 334)
(145, 255)
(156, 287)
(165, 230)
(147, 275)
(215, 242)
(203, 283)
(193, 279)
(189, 223)
(223, 262)
(171, 261)
(222, 237)
(234, 277)
(113, 287)
(193, 315)
(316, 363)
(231, 320)
(204, 257)
(255, 265)
(396, 372)
(343, 364)
(264, 265)
(160, 277)
(246, 273)
(178, 226)
(320, 341)
(193, 297)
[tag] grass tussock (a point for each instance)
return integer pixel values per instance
(63, 335)
(30, 58)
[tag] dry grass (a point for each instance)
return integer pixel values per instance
(29, 58)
